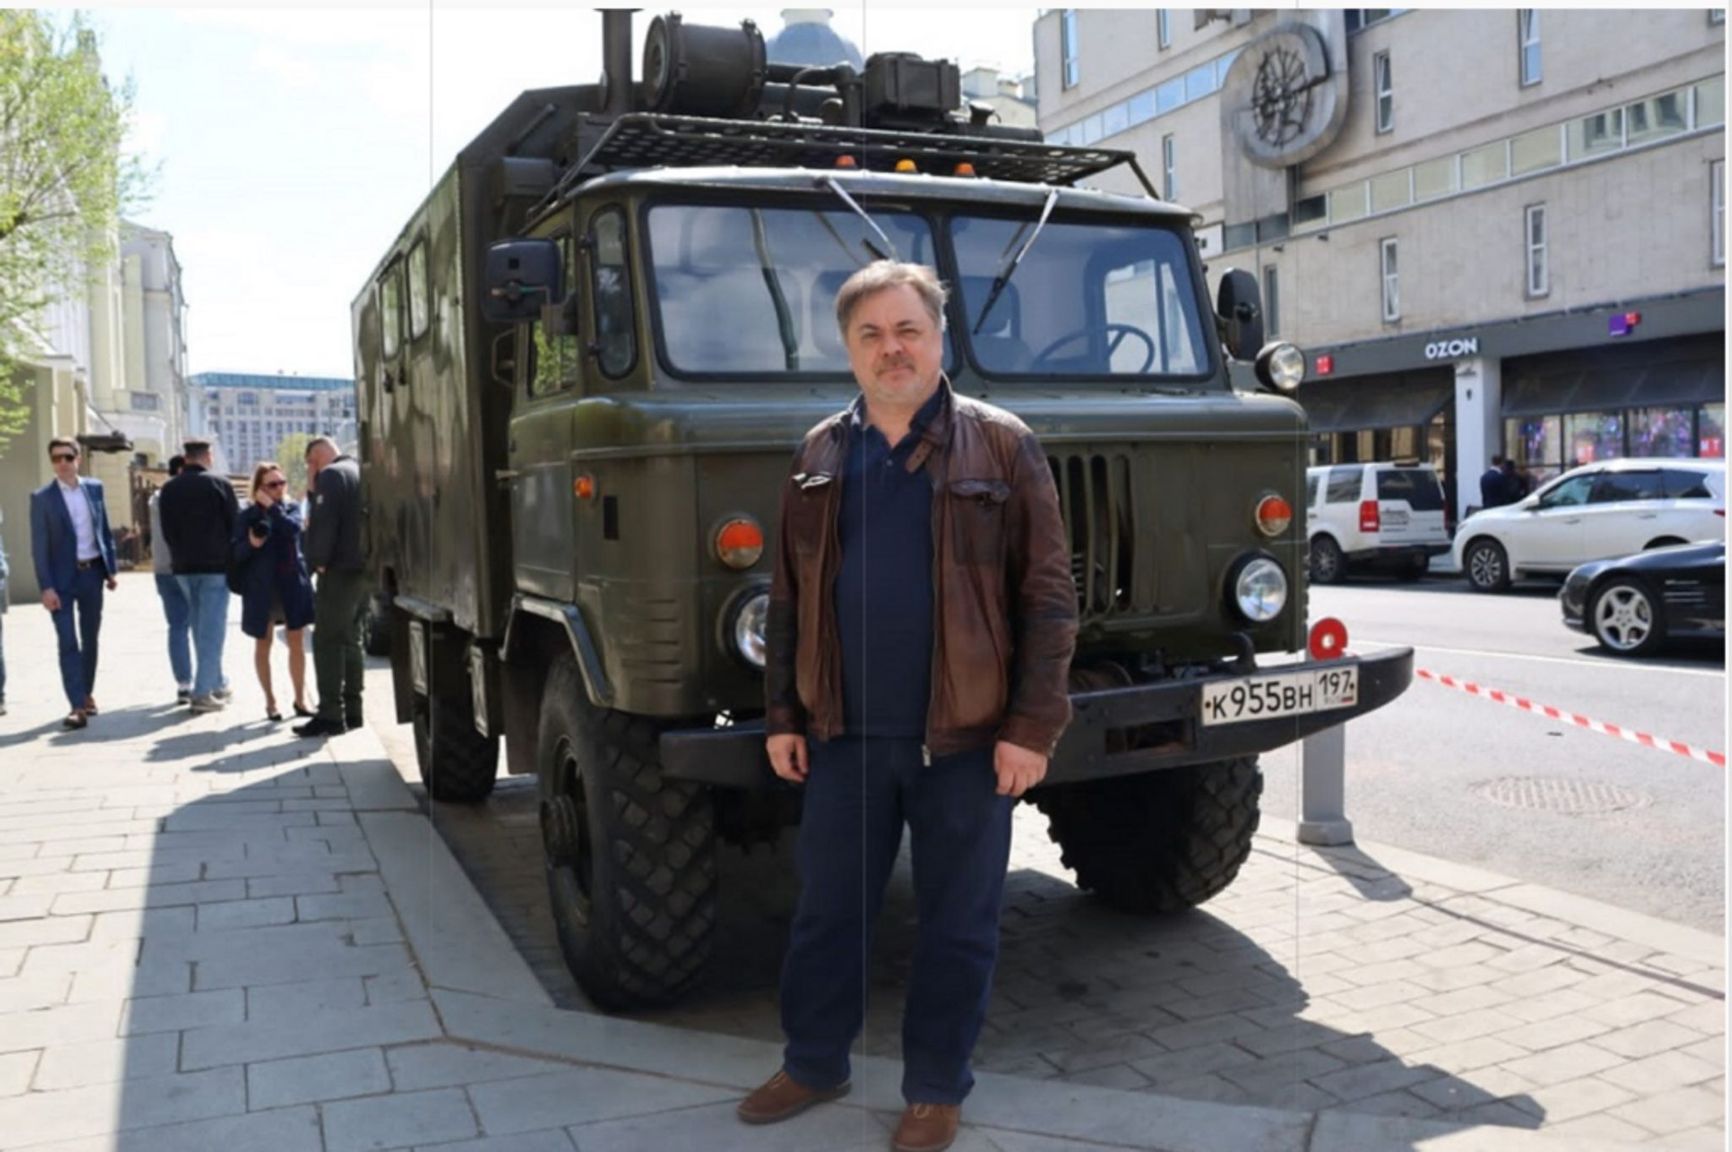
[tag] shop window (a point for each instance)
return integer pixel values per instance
(1068, 49)
(1661, 432)
(1593, 436)
(1385, 91)
(1711, 431)
(1539, 272)
(1391, 281)
(1528, 33)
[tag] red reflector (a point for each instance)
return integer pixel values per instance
(1325, 365)
(1328, 639)
(1369, 520)
(1273, 515)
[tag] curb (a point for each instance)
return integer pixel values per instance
(485, 994)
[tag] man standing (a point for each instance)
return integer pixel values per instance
(1493, 485)
(175, 608)
(333, 549)
(74, 552)
(198, 510)
(922, 621)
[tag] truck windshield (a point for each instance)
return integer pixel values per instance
(1089, 300)
(753, 290)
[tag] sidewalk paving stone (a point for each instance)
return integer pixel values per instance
(308, 1079)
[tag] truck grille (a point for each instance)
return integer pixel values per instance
(1097, 493)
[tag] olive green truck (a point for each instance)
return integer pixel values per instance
(584, 364)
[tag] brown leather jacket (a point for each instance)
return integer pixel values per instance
(1004, 604)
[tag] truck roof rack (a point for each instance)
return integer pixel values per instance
(648, 139)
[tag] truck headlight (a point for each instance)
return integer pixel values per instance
(748, 630)
(1260, 590)
(1280, 366)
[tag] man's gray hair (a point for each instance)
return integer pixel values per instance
(882, 274)
(322, 442)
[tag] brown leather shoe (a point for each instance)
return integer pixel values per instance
(927, 1128)
(780, 1097)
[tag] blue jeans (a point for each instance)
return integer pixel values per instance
(179, 615)
(2, 657)
(207, 598)
(859, 793)
(78, 637)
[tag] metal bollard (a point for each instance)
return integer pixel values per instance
(1323, 788)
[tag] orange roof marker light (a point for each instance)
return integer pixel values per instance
(906, 165)
(846, 161)
(583, 487)
(964, 169)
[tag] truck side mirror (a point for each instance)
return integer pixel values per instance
(520, 276)
(1240, 306)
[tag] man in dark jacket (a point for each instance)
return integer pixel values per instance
(1494, 485)
(332, 545)
(198, 510)
(921, 625)
(75, 559)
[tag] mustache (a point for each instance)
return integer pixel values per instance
(895, 362)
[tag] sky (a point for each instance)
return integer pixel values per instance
(291, 145)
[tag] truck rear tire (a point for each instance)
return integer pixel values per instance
(458, 764)
(1160, 842)
(631, 857)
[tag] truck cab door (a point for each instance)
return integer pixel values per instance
(547, 378)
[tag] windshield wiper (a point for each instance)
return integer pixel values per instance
(1009, 270)
(778, 298)
(888, 252)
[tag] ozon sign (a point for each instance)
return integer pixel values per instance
(1450, 349)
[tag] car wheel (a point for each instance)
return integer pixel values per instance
(1626, 617)
(1487, 566)
(1328, 565)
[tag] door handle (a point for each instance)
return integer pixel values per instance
(1573, 520)
(1648, 516)
(505, 475)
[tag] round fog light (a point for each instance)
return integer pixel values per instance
(1260, 590)
(749, 623)
(1281, 366)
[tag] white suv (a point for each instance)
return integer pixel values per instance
(1381, 515)
(1611, 508)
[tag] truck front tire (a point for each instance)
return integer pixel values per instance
(631, 857)
(1158, 842)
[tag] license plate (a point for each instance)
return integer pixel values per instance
(1272, 697)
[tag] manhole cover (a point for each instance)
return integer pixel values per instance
(1570, 797)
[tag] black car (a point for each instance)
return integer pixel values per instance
(1633, 604)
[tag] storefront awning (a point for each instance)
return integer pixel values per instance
(1363, 405)
(1590, 390)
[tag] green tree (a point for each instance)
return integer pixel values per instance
(64, 182)
(292, 457)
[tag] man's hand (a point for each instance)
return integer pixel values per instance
(1018, 768)
(51, 599)
(788, 757)
(113, 583)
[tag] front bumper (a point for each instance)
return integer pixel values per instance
(1093, 746)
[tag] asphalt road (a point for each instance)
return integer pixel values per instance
(1418, 771)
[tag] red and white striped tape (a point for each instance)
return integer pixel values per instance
(1658, 743)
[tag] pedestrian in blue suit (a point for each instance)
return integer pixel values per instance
(74, 553)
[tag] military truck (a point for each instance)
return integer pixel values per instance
(584, 365)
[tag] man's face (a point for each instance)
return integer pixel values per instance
(317, 459)
(894, 347)
(65, 462)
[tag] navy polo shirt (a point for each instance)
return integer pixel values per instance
(884, 587)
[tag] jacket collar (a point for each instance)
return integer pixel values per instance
(931, 423)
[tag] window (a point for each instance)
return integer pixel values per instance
(1615, 487)
(1271, 300)
(419, 317)
(1682, 485)
(1391, 190)
(1343, 486)
(1199, 82)
(1312, 484)
(1163, 28)
(1716, 15)
(1568, 494)
(1485, 165)
(1358, 18)
(554, 356)
(1067, 47)
(1385, 91)
(610, 290)
(1532, 151)
(1170, 167)
(1717, 211)
(1434, 178)
(391, 310)
(1539, 275)
(1528, 26)
(1391, 281)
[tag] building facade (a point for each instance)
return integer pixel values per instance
(249, 414)
(1492, 232)
(156, 405)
